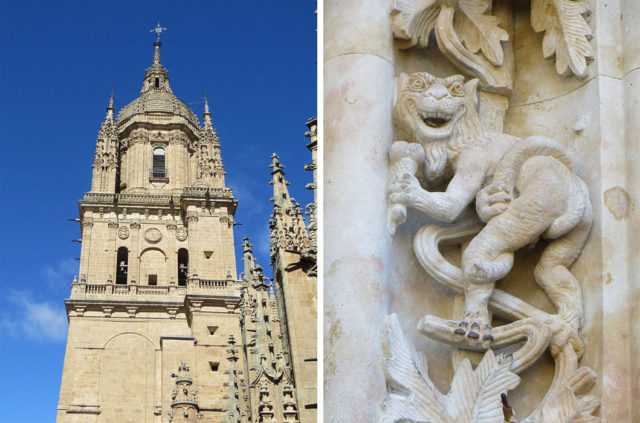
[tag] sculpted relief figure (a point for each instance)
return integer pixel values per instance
(523, 190)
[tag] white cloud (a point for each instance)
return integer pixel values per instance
(39, 321)
(262, 242)
(252, 198)
(60, 274)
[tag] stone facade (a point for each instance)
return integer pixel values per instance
(293, 259)
(160, 327)
(457, 250)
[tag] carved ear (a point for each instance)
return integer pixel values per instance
(470, 90)
(403, 81)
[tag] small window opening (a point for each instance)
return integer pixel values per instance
(122, 266)
(158, 170)
(207, 254)
(214, 366)
(183, 266)
(157, 82)
(153, 279)
(212, 329)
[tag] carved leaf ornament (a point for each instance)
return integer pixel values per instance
(469, 36)
(475, 395)
(566, 33)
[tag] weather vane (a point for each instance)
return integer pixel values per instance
(158, 30)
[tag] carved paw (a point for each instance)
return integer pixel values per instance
(475, 327)
(405, 189)
(492, 200)
(564, 334)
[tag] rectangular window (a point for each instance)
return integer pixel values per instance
(214, 366)
(153, 279)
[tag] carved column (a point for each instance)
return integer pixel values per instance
(358, 93)
(631, 82)
(172, 256)
(111, 270)
(194, 246)
(134, 255)
(85, 251)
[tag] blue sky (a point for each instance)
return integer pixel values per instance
(58, 61)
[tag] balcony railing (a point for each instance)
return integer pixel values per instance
(218, 287)
(158, 174)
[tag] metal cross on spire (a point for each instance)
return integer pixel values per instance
(158, 30)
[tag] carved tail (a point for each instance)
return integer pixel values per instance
(511, 163)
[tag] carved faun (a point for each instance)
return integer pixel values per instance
(523, 189)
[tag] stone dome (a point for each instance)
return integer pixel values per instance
(157, 102)
(156, 97)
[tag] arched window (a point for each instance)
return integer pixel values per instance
(122, 266)
(183, 266)
(157, 82)
(158, 170)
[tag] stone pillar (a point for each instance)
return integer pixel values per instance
(614, 208)
(631, 85)
(172, 256)
(85, 251)
(192, 241)
(134, 254)
(112, 264)
(358, 96)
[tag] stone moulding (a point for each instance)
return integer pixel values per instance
(469, 36)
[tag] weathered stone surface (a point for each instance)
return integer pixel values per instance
(590, 118)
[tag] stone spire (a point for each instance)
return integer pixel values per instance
(233, 414)
(247, 259)
(106, 157)
(288, 229)
(210, 168)
(281, 196)
(207, 115)
(156, 77)
(310, 254)
(156, 53)
(312, 134)
(269, 376)
(184, 400)
(110, 108)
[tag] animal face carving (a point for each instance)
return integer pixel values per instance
(428, 108)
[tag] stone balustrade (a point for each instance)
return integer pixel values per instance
(195, 286)
(126, 198)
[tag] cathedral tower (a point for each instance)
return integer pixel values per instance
(160, 328)
(157, 288)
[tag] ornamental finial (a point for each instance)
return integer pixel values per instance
(158, 30)
(113, 89)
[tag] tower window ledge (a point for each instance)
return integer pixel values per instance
(158, 175)
(84, 409)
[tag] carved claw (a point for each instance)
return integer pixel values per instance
(404, 189)
(487, 336)
(473, 335)
(492, 200)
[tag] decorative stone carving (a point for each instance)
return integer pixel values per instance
(475, 395)
(123, 232)
(181, 233)
(523, 190)
(471, 39)
(153, 235)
